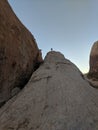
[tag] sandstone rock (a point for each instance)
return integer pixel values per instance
(56, 98)
(93, 72)
(92, 75)
(19, 53)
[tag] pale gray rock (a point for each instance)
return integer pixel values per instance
(56, 98)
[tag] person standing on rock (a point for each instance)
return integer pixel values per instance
(51, 49)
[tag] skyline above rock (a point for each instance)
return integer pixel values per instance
(67, 26)
(37, 94)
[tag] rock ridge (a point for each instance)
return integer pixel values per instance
(56, 97)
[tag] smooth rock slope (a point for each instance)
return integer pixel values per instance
(19, 53)
(56, 98)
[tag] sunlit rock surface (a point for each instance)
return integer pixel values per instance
(57, 97)
(93, 63)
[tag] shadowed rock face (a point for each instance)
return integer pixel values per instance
(56, 98)
(93, 72)
(19, 53)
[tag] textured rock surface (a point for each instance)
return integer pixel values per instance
(56, 98)
(92, 76)
(93, 72)
(19, 53)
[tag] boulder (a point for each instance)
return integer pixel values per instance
(19, 53)
(57, 97)
(93, 72)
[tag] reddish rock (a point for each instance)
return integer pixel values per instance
(93, 72)
(19, 53)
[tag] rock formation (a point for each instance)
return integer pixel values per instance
(93, 72)
(57, 97)
(19, 53)
(92, 75)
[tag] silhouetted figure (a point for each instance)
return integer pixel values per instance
(51, 49)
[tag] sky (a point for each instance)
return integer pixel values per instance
(68, 26)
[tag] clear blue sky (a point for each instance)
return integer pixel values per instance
(68, 26)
